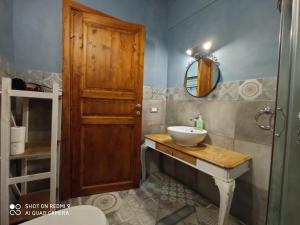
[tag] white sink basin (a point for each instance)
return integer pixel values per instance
(187, 136)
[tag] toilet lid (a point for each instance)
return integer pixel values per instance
(78, 215)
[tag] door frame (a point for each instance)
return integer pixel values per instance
(65, 190)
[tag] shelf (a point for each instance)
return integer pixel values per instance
(29, 178)
(34, 151)
(41, 197)
(32, 94)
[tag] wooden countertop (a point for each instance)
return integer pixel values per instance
(216, 155)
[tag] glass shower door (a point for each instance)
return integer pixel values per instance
(284, 199)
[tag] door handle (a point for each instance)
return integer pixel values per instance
(137, 109)
(136, 106)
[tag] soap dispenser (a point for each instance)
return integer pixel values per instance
(199, 123)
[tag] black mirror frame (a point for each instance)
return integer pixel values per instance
(214, 87)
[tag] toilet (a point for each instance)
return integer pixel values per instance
(77, 215)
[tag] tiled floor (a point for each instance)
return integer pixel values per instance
(157, 198)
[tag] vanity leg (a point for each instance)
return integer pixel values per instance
(144, 149)
(226, 190)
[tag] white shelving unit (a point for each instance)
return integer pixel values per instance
(32, 151)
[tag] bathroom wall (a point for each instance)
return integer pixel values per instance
(6, 43)
(245, 41)
(229, 119)
(37, 34)
(244, 35)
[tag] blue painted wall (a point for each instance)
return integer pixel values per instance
(244, 35)
(179, 10)
(37, 33)
(6, 31)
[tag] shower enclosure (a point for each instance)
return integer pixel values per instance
(284, 197)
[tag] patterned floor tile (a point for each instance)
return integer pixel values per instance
(158, 197)
(209, 216)
(190, 220)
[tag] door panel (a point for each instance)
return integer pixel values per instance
(103, 158)
(107, 78)
(96, 107)
(114, 68)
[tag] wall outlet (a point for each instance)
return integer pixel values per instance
(154, 110)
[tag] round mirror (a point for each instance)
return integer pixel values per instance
(202, 77)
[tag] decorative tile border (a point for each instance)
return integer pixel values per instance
(154, 93)
(39, 77)
(47, 78)
(262, 89)
(250, 89)
(7, 69)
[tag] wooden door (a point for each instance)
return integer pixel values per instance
(106, 75)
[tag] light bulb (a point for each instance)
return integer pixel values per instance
(189, 52)
(207, 45)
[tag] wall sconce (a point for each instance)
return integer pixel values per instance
(202, 52)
